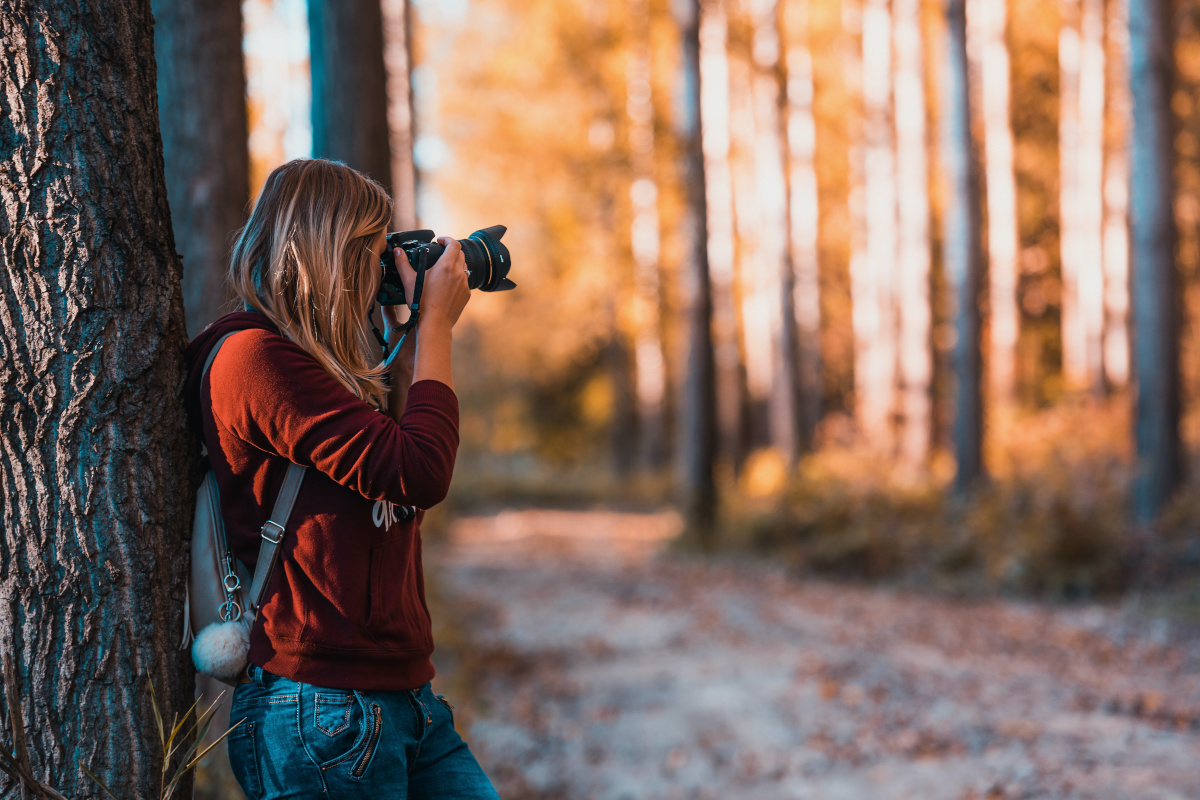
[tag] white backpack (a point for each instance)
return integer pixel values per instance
(217, 612)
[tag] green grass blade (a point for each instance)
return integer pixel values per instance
(99, 782)
(162, 736)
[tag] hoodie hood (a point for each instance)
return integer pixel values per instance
(199, 348)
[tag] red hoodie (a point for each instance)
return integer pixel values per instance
(345, 607)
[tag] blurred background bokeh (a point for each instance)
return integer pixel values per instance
(852, 286)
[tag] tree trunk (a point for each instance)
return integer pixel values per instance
(988, 22)
(1155, 303)
(95, 457)
(1116, 200)
(650, 379)
(1074, 339)
(698, 431)
(963, 256)
(350, 101)
(202, 110)
(714, 111)
(803, 297)
(874, 297)
(1090, 179)
(913, 302)
(401, 117)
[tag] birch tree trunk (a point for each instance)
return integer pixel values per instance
(988, 23)
(401, 118)
(349, 92)
(962, 245)
(650, 382)
(803, 222)
(873, 289)
(95, 458)
(202, 111)
(714, 111)
(913, 259)
(698, 431)
(1155, 309)
(1116, 200)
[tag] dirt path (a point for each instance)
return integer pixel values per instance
(607, 670)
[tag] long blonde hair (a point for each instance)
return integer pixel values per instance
(305, 260)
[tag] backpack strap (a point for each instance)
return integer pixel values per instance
(274, 528)
(273, 531)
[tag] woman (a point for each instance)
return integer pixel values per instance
(336, 700)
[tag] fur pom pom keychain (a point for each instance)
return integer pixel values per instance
(222, 649)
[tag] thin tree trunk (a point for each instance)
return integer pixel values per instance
(1156, 314)
(350, 101)
(804, 298)
(715, 112)
(649, 361)
(963, 256)
(776, 269)
(202, 110)
(1090, 178)
(95, 458)
(913, 262)
(1073, 339)
(874, 299)
(698, 431)
(988, 23)
(398, 59)
(1116, 200)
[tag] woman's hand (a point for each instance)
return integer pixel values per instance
(445, 293)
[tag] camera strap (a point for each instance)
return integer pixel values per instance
(414, 309)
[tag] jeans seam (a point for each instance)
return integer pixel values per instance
(304, 742)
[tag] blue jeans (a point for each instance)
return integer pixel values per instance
(302, 741)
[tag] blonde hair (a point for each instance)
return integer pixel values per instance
(305, 260)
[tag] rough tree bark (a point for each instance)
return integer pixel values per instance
(202, 110)
(95, 458)
(963, 256)
(698, 431)
(350, 101)
(1155, 309)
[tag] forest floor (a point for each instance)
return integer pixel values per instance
(591, 661)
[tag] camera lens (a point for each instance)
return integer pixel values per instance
(488, 261)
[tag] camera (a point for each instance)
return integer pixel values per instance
(488, 261)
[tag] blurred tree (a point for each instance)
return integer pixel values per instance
(95, 456)
(1081, 165)
(913, 262)
(350, 99)
(698, 430)
(202, 111)
(726, 332)
(1155, 302)
(873, 276)
(987, 28)
(650, 375)
(963, 255)
(401, 117)
(1116, 198)
(801, 290)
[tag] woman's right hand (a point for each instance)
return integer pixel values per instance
(445, 292)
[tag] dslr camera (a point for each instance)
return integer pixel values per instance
(488, 261)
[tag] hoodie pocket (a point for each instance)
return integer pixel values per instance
(396, 618)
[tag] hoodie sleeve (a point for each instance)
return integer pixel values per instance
(270, 392)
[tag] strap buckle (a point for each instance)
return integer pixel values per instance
(273, 536)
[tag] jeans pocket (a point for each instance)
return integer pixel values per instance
(243, 759)
(332, 712)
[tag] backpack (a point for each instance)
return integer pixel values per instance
(218, 611)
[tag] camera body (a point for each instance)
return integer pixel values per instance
(488, 261)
